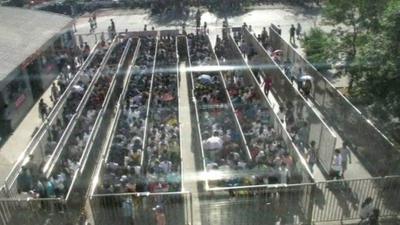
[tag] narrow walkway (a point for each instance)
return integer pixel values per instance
(189, 172)
(20, 138)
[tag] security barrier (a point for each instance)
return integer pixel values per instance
(313, 128)
(235, 59)
(141, 208)
(365, 139)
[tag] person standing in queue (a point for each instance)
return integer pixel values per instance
(267, 84)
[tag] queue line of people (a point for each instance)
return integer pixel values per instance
(270, 155)
(163, 145)
(68, 163)
(222, 144)
(124, 166)
(58, 183)
(30, 180)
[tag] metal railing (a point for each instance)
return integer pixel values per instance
(141, 208)
(53, 160)
(233, 55)
(226, 107)
(99, 120)
(347, 120)
(40, 135)
(117, 121)
(163, 69)
(313, 126)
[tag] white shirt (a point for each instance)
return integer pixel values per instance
(214, 142)
(283, 174)
(337, 162)
(166, 166)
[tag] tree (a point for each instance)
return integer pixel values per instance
(353, 19)
(378, 63)
(320, 48)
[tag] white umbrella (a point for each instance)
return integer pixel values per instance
(306, 77)
(215, 143)
(205, 78)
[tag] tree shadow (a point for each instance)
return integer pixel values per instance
(224, 11)
(171, 16)
(345, 196)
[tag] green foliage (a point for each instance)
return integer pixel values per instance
(378, 63)
(368, 33)
(320, 48)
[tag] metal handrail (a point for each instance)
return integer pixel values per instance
(44, 126)
(50, 164)
(151, 93)
(312, 110)
(148, 104)
(141, 194)
(100, 116)
(247, 150)
(268, 104)
(178, 82)
(196, 113)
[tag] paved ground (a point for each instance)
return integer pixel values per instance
(13, 148)
(134, 20)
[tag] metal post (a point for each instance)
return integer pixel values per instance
(310, 206)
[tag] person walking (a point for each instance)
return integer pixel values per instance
(367, 208)
(54, 93)
(292, 31)
(336, 168)
(112, 25)
(298, 31)
(91, 24)
(311, 156)
(346, 157)
(94, 20)
(264, 36)
(43, 107)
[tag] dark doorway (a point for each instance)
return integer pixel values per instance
(35, 79)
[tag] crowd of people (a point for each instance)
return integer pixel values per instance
(269, 162)
(32, 181)
(73, 151)
(124, 166)
(163, 145)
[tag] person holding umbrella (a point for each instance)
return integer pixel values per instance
(306, 85)
(205, 79)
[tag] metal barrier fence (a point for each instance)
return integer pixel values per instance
(348, 121)
(257, 205)
(224, 107)
(338, 200)
(50, 211)
(142, 208)
(341, 200)
(234, 56)
(36, 146)
(311, 126)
